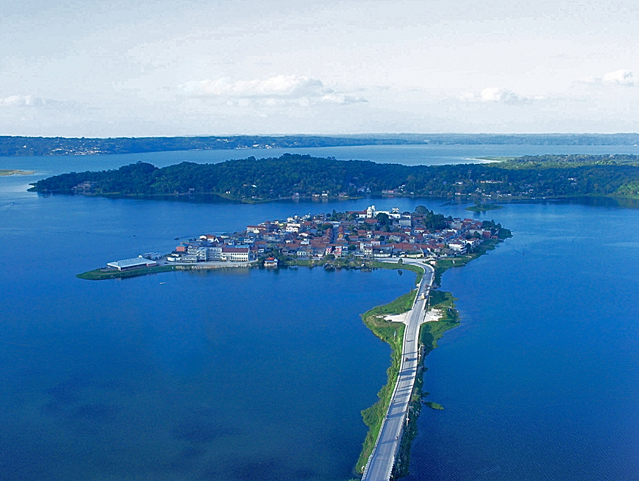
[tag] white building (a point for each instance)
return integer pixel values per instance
(132, 263)
(236, 254)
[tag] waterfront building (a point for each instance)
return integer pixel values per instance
(126, 264)
(271, 262)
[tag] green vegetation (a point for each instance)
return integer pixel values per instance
(629, 190)
(431, 332)
(495, 158)
(303, 176)
(402, 304)
(433, 405)
(101, 274)
(397, 265)
(393, 334)
(552, 160)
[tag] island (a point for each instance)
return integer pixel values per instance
(422, 241)
(299, 177)
(351, 240)
(5, 172)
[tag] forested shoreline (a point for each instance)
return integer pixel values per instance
(303, 176)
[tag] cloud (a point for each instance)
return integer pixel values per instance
(618, 77)
(282, 89)
(497, 95)
(22, 101)
(336, 98)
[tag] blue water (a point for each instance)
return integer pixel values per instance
(400, 154)
(215, 375)
(236, 375)
(541, 382)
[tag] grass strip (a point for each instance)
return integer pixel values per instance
(101, 274)
(393, 334)
(399, 265)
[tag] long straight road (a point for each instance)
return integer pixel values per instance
(381, 461)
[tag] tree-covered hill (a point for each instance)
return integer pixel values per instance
(305, 176)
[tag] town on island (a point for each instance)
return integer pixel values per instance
(351, 239)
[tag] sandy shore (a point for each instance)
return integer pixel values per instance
(432, 315)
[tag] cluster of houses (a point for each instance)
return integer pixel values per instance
(364, 234)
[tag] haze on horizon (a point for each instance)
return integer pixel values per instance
(154, 67)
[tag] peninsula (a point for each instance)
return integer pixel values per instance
(304, 177)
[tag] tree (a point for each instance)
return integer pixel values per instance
(382, 219)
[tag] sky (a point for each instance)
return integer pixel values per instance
(107, 68)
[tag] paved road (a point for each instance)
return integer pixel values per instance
(380, 464)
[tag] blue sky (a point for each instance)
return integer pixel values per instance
(156, 67)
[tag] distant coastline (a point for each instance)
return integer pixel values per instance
(58, 146)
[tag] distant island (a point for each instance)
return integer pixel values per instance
(305, 177)
(5, 172)
(56, 146)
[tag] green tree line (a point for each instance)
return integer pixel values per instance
(288, 175)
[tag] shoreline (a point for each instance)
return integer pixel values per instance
(444, 318)
(101, 273)
(224, 198)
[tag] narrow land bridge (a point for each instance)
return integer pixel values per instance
(381, 461)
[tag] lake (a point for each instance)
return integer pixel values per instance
(239, 374)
